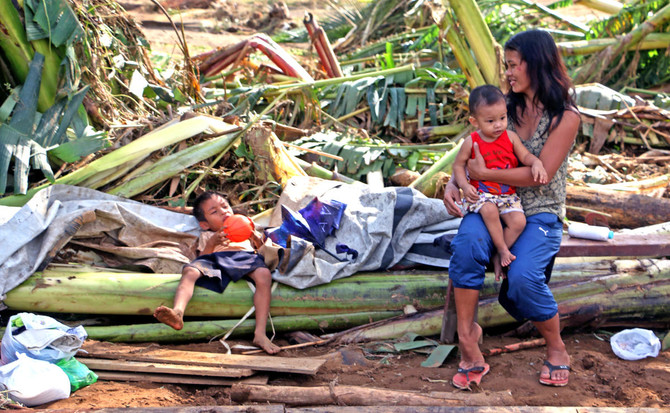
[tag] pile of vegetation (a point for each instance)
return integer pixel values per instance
(87, 103)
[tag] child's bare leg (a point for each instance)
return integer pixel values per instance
(262, 297)
(174, 317)
(515, 222)
(491, 217)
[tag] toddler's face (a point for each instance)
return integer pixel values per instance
(216, 210)
(491, 120)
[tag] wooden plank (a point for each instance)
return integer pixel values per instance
(471, 409)
(622, 245)
(299, 365)
(179, 378)
(256, 408)
(164, 368)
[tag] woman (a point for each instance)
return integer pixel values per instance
(541, 111)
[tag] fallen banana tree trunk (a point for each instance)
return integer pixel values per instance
(207, 330)
(84, 291)
(632, 293)
(601, 293)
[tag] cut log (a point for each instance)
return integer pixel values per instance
(333, 395)
(627, 210)
(195, 358)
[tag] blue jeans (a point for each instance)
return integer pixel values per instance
(525, 293)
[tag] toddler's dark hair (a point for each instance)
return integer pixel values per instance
(198, 213)
(484, 95)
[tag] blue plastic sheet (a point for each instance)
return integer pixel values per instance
(313, 223)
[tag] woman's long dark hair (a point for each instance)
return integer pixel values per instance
(547, 74)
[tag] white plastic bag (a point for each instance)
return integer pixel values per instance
(34, 382)
(635, 344)
(40, 337)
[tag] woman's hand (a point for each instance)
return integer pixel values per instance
(452, 199)
(477, 166)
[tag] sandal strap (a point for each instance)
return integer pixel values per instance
(476, 369)
(554, 367)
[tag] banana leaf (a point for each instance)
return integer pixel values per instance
(15, 136)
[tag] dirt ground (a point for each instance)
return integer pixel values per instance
(598, 378)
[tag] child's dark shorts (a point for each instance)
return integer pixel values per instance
(220, 268)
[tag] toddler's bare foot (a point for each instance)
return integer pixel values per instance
(166, 315)
(506, 258)
(268, 346)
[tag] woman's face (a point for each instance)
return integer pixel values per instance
(516, 73)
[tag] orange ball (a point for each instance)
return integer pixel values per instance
(238, 227)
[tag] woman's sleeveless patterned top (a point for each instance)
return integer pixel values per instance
(545, 198)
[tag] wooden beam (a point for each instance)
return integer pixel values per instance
(622, 245)
(470, 409)
(96, 364)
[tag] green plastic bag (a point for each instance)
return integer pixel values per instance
(78, 373)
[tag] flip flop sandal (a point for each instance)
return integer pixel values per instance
(551, 382)
(464, 377)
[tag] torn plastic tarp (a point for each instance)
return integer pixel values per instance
(386, 227)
